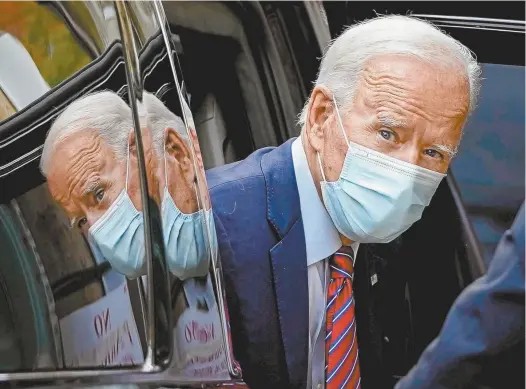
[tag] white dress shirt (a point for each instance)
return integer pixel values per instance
(322, 240)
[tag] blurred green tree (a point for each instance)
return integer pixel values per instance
(46, 37)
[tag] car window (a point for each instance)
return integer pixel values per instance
(489, 168)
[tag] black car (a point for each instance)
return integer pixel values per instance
(244, 70)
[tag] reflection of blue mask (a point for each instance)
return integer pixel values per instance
(377, 197)
(185, 237)
(112, 279)
(119, 235)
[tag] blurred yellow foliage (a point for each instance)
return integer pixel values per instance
(46, 37)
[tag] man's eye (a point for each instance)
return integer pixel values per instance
(433, 153)
(386, 134)
(99, 195)
(82, 222)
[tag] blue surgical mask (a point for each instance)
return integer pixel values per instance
(186, 237)
(377, 197)
(119, 235)
(112, 279)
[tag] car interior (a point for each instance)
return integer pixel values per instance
(230, 74)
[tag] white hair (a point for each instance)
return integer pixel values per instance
(346, 57)
(111, 117)
(157, 117)
(104, 112)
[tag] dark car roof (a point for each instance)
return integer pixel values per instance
(495, 31)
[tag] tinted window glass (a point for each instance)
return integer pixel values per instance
(490, 165)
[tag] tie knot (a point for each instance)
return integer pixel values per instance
(342, 262)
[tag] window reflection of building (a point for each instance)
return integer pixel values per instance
(46, 38)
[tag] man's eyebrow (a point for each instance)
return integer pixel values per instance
(451, 151)
(90, 187)
(390, 122)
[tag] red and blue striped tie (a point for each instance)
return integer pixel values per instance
(342, 369)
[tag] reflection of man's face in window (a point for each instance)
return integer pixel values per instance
(174, 152)
(200, 167)
(86, 156)
(180, 172)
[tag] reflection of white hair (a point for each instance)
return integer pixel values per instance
(157, 117)
(104, 112)
(346, 57)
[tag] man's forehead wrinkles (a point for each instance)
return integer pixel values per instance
(396, 83)
(378, 80)
(396, 98)
(81, 165)
(388, 85)
(402, 109)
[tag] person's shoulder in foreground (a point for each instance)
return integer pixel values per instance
(482, 340)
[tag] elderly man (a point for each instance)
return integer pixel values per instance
(90, 161)
(379, 131)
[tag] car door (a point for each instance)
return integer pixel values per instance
(136, 291)
(54, 287)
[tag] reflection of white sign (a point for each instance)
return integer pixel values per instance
(103, 333)
(198, 334)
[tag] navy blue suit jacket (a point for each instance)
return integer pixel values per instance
(263, 256)
(482, 340)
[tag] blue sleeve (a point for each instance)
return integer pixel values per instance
(486, 319)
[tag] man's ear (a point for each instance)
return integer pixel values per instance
(176, 147)
(319, 110)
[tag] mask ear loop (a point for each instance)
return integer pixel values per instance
(127, 165)
(200, 205)
(321, 167)
(340, 120)
(344, 135)
(165, 168)
(318, 155)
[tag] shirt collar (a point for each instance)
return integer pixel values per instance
(321, 236)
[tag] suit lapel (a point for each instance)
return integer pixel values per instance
(289, 259)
